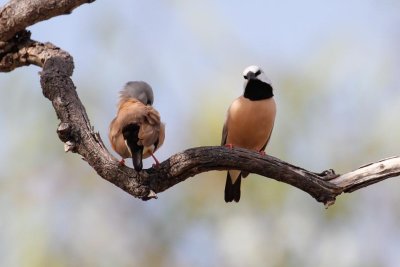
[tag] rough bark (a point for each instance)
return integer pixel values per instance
(79, 137)
(16, 15)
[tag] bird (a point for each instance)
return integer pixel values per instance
(137, 131)
(249, 123)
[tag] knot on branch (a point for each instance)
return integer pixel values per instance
(65, 132)
(13, 52)
(69, 135)
(55, 76)
(58, 65)
(12, 44)
(328, 175)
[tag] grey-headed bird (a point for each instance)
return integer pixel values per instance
(137, 131)
(249, 123)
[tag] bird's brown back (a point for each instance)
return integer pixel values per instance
(132, 111)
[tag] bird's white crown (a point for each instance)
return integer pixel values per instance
(254, 69)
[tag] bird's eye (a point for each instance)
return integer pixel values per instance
(257, 73)
(245, 77)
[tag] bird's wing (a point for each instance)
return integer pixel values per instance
(117, 140)
(161, 136)
(224, 134)
(129, 112)
(225, 129)
(149, 133)
(269, 137)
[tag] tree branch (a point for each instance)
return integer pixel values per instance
(16, 15)
(79, 137)
(22, 51)
(368, 174)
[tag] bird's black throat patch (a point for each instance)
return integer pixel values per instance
(258, 90)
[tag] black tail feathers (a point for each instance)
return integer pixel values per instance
(137, 159)
(232, 190)
(131, 133)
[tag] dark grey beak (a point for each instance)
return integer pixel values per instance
(250, 76)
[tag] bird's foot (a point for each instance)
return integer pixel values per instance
(262, 153)
(230, 146)
(155, 165)
(121, 162)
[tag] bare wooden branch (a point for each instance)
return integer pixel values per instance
(368, 174)
(79, 137)
(22, 51)
(16, 15)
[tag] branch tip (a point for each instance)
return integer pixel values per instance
(329, 203)
(151, 195)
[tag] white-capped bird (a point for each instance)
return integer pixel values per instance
(249, 123)
(137, 131)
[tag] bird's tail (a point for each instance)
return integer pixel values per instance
(137, 159)
(130, 133)
(232, 189)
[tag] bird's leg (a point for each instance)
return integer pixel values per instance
(121, 162)
(229, 146)
(157, 164)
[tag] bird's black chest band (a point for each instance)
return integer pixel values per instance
(258, 90)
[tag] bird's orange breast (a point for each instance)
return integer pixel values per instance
(250, 123)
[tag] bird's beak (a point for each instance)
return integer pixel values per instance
(250, 76)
